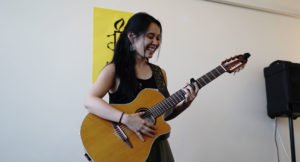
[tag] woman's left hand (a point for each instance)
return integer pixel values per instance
(190, 93)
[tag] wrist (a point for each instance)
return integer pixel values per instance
(121, 117)
(124, 118)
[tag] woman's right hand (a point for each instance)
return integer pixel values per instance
(138, 125)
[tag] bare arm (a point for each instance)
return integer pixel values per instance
(94, 102)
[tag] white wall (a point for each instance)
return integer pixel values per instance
(46, 63)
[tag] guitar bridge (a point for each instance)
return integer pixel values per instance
(120, 132)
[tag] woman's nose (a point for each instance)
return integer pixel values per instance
(155, 41)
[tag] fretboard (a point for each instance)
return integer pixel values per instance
(179, 96)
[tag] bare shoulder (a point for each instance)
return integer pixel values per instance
(109, 68)
(163, 71)
(105, 81)
(107, 73)
(164, 74)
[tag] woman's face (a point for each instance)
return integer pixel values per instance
(146, 44)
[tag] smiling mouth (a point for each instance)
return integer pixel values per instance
(152, 49)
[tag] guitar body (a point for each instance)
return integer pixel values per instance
(103, 144)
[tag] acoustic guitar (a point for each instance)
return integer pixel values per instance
(106, 141)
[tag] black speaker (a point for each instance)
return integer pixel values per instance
(282, 80)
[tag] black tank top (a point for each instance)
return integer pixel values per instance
(122, 97)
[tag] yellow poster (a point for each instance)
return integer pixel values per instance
(108, 24)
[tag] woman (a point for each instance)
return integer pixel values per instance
(129, 73)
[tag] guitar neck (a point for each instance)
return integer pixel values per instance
(178, 96)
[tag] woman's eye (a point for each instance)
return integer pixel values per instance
(150, 36)
(153, 36)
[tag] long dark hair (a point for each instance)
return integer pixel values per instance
(124, 57)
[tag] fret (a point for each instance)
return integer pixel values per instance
(172, 100)
(218, 71)
(203, 80)
(199, 84)
(153, 112)
(215, 72)
(202, 84)
(211, 77)
(222, 68)
(168, 103)
(164, 104)
(181, 93)
(212, 74)
(177, 98)
(160, 110)
(207, 78)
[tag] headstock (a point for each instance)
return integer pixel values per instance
(236, 63)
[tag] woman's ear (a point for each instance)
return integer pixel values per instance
(131, 36)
